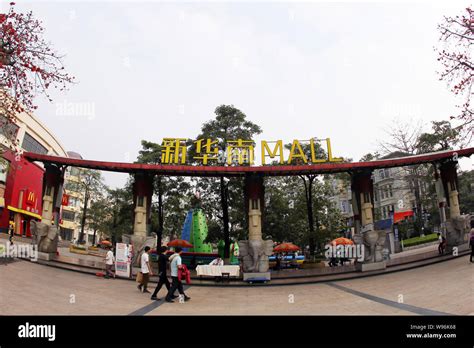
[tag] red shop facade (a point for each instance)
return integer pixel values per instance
(22, 201)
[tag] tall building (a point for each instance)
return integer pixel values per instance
(70, 222)
(343, 201)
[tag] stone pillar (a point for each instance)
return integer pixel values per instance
(255, 251)
(441, 197)
(142, 193)
(363, 195)
(449, 179)
(457, 226)
(254, 195)
(370, 240)
(53, 180)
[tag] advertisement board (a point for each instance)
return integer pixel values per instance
(123, 260)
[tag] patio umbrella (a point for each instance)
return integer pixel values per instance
(180, 243)
(342, 241)
(285, 247)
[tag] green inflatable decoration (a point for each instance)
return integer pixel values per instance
(199, 233)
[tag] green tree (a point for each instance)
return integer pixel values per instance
(229, 124)
(443, 137)
(466, 192)
(91, 185)
(120, 212)
(97, 216)
(172, 192)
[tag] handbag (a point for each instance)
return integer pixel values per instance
(139, 277)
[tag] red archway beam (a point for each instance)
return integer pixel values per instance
(268, 170)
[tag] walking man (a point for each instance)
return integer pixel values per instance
(109, 262)
(145, 269)
(162, 277)
(442, 244)
(176, 263)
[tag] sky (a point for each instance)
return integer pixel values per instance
(149, 70)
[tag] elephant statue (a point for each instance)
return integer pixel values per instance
(139, 243)
(254, 255)
(373, 241)
(457, 229)
(45, 236)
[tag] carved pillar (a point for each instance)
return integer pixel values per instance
(53, 180)
(370, 240)
(441, 197)
(449, 179)
(254, 202)
(362, 192)
(142, 193)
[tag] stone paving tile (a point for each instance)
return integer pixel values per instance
(28, 288)
(446, 286)
(315, 299)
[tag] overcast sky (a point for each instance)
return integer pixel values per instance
(149, 70)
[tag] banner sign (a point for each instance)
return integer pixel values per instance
(123, 260)
(65, 200)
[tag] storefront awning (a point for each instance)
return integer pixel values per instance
(401, 215)
(21, 211)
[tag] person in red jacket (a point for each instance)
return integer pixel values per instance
(176, 265)
(184, 274)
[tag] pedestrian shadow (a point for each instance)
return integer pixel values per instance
(153, 305)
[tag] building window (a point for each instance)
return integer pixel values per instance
(8, 128)
(68, 215)
(66, 233)
(390, 190)
(30, 144)
(376, 195)
(140, 201)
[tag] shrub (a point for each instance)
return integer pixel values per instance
(420, 240)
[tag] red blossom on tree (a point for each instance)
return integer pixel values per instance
(28, 64)
(457, 35)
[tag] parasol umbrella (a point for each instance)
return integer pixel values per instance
(285, 247)
(106, 242)
(342, 241)
(180, 243)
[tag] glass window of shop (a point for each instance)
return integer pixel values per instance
(30, 144)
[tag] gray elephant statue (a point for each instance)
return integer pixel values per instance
(254, 255)
(139, 243)
(457, 229)
(45, 236)
(373, 241)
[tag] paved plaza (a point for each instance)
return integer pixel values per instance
(444, 288)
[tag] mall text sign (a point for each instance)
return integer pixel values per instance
(239, 152)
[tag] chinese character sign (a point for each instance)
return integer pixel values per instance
(242, 152)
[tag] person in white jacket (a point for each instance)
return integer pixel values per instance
(175, 265)
(109, 262)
